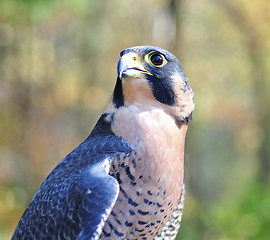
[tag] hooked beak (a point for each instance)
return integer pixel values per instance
(130, 66)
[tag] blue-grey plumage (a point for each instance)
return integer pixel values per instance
(75, 199)
(125, 181)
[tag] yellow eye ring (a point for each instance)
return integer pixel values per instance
(156, 59)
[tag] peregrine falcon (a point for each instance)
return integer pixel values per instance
(125, 181)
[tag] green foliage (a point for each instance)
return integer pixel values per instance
(245, 216)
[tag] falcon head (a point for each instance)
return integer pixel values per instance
(151, 77)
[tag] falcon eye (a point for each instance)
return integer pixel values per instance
(156, 59)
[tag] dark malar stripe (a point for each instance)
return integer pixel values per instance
(118, 97)
(162, 89)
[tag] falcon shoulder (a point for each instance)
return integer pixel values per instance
(76, 198)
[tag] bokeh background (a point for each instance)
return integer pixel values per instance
(58, 68)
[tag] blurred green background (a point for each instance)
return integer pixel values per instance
(58, 68)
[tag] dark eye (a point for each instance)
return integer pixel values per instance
(156, 59)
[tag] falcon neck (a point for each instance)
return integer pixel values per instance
(157, 138)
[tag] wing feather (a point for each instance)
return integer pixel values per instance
(76, 198)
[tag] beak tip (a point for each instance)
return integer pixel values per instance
(120, 68)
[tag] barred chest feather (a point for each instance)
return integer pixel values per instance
(151, 177)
